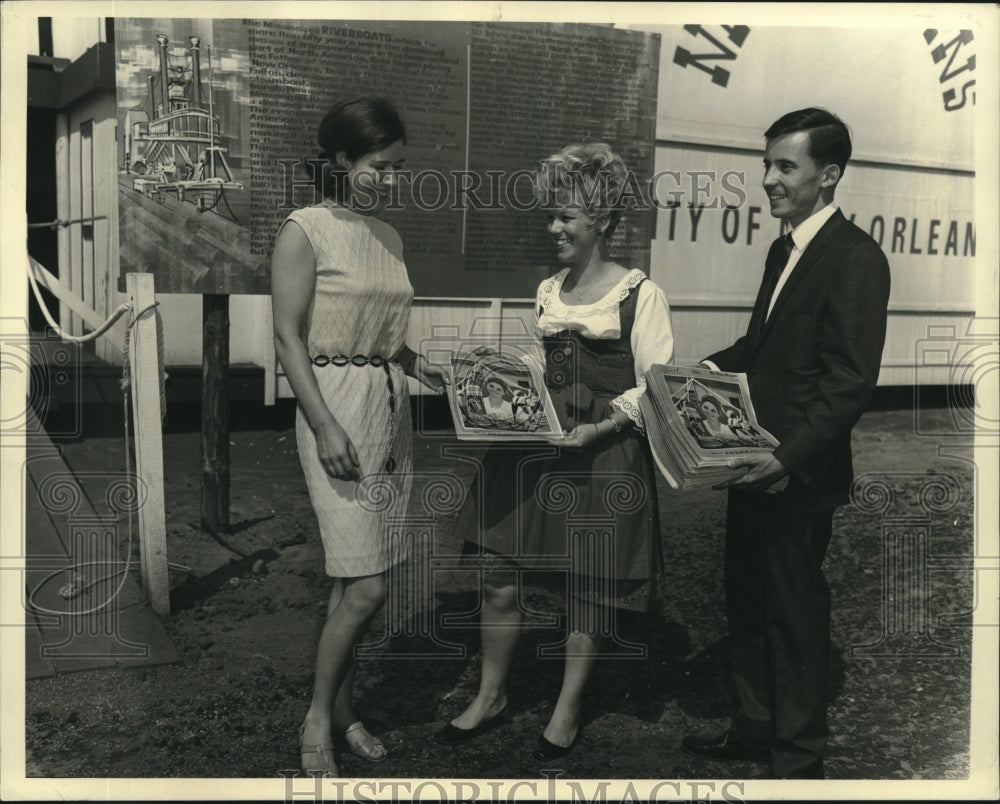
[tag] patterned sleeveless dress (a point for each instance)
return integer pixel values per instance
(361, 306)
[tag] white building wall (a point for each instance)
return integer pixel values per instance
(914, 161)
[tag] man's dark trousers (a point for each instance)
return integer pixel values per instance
(778, 608)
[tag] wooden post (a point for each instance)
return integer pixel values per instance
(270, 358)
(215, 413)
(63, 213)
(144, 368)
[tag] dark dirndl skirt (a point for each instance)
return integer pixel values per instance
(586, 520)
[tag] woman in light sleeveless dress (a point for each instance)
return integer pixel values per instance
(602, 326)
(341, 300)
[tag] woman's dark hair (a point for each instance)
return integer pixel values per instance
(714, 404)
(495, 381)
(357, 126)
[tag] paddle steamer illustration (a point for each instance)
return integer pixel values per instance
(173, 150)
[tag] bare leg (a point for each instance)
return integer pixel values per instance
(353, 604)
(500, 630)
(344, 714)
(343, 706)
(581, 651)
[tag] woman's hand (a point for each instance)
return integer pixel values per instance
(336, 453)
(580, 437)
(430, 374)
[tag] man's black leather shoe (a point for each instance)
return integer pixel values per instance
(724, 746)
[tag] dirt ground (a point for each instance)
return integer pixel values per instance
(232, 707)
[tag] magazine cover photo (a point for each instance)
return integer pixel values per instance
(712, 410)
(500, 396)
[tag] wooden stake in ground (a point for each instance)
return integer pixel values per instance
(144, 369)
(215, 413)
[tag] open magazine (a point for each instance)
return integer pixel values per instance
(496, 396)
(698, 419)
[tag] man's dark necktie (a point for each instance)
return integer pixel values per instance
(773, 276)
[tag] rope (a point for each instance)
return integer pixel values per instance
(160, 365)
(90, 336)
(110, 322)
(126, 381)
(74, 589)
(58, 223)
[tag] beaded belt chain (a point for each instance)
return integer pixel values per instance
(344, 360)
(378, 362)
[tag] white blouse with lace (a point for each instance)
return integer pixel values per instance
(652, 335)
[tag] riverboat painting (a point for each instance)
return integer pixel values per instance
(183, 177)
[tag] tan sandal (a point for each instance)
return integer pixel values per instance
(371, 748)
(316, 758)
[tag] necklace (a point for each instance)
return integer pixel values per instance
(578, 291)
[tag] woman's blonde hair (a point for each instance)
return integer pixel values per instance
(590, 175)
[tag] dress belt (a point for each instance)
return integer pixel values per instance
(376, 361)
(344, 360)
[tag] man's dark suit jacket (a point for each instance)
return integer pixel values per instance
(813, 365)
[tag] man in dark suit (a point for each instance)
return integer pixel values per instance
(811, 355)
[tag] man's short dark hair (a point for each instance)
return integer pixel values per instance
(829, 137)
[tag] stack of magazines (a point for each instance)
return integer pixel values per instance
(697, 420)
